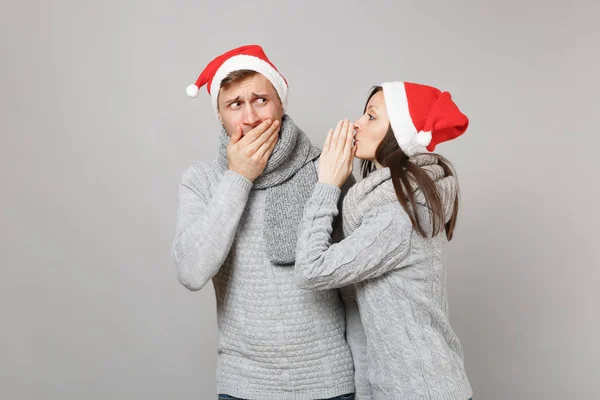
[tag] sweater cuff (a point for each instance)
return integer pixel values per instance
(238, 180)
(327, 192)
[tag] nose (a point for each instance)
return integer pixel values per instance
(251, 118)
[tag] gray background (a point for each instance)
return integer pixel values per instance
(96, 131)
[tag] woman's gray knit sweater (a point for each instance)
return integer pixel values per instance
(400, 279)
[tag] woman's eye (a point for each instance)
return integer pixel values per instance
(371, 117)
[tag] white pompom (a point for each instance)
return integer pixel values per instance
(424, 138)
(192, 90)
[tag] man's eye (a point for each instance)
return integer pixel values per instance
(261, 100)
(235, 104)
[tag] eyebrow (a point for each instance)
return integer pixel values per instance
(238, 98)
(228, 102)
(254, 95)
(372, 106)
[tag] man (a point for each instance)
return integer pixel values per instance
(237, 226)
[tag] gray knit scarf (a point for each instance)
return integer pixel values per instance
(289, 179)
(377, 189)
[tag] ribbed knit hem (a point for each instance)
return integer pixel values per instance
(238, 179)
(327, 192)
(464, 393)
(324, 393)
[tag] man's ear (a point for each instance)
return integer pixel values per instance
(218, 108)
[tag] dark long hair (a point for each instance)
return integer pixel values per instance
(403, 172)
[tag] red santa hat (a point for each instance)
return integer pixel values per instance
(422, 116)
(251, 57)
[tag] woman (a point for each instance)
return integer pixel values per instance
(396, 224)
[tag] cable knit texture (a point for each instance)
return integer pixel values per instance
(276, 341)
(400, 280)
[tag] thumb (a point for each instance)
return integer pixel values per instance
(237, 134)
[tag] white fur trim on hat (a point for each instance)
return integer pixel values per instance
(404, 129)
(252, 63)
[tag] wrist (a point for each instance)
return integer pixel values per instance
(239, 175)
(329, 182)
(327, 191)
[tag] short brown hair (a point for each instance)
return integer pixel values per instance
(237, 76)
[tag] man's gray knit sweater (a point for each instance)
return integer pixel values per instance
(276, 340)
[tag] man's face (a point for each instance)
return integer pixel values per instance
(247, 103)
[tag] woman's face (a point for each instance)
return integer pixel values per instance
(371, 128)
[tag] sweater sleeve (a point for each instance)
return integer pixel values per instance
(338, 232)
(378, 245)
(206, 224)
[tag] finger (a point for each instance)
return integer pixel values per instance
(349, 138)
(342, 137)
(258, 143)
(266, 151)
(268, 137)
(267, 148)
(274, 128)
(255, 133)
(237, 135)
(327, 140)
(336, 135)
